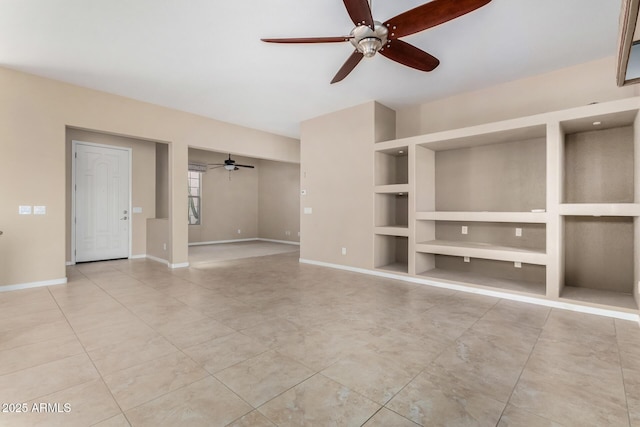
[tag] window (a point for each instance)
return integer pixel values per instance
(195, 187)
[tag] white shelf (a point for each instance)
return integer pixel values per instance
(517, 217)
(482, 250)
(600, 209)
(393, 188)
(401, 231)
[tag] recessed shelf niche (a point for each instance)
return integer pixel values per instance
(392, 166)
(599, 165)
(502, 177)
(529, 278)
(599, 260)
(392, 210)
(391, 253)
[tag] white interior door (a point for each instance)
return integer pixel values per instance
(102, 214)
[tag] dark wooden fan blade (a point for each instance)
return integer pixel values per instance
(409, 55)
(429, 15)
(348, 66)
(245, 166)
(310, 40)
(359, 12)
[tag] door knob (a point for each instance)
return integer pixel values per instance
(124, 218)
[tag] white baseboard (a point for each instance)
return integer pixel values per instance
(30, 285)
(156, 259)
(498, 294)
(167, 263)
(179, 265)
(70, 263)
(253, 239)
(217, 242)
(286, 242)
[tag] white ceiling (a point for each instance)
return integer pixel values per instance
(205, 56)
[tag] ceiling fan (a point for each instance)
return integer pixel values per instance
(229, 165)
(370, 37)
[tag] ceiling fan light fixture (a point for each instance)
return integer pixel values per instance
(229, 167)
(369, 46)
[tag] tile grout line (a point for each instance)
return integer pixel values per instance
(91, 360)
(63, 358)
(154, 330)
(201, 366)
(624, 383)
(515, 385)
(177, 348)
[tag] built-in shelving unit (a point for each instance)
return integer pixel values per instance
(546, 205)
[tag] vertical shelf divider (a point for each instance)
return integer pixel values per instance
(413, 195)
(555, 228)
(425, 201)
(636, 220)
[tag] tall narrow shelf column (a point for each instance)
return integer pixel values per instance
(392, 200)
(555, 160)
(599, 209)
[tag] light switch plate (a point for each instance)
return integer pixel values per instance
(39, 210)
(308, 211)
(24, 210)
(137, 210)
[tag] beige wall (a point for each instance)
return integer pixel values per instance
(279, 200)
(262, 202)
(143, 182)
(157, 237)
(162, 181)
(337, 149)
(337, 173)
(34, 114)
(557, 90)
(229, 200)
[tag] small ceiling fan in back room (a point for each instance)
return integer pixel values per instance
(370, 36)
(229, 164)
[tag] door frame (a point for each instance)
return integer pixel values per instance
(74, 144)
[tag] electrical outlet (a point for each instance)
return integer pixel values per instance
(467, 259)
(239, 231)
(517, 264)
(518, 232)
(164, 246)
(344, 251)
(465, 229)
(287, 233)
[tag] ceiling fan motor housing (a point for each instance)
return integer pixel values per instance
(367, 41)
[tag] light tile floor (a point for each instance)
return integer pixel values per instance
(267, 341)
